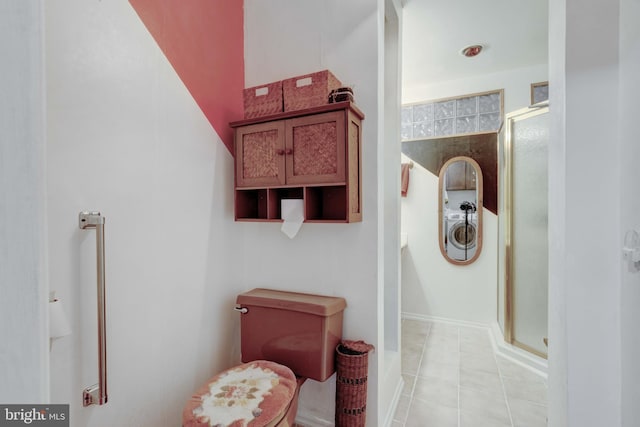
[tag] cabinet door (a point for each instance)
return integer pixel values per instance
(259, 151)
(461, 176)
(470, 175)
(457, 176)
(315, 149)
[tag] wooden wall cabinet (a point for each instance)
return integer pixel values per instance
(313, 155)
(461, 176)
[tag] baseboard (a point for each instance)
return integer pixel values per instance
(426, 318)
(530, 361)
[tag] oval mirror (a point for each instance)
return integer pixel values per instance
(460, 210)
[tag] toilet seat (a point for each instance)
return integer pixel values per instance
(254, 394)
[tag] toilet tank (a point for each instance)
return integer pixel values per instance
(297, 330)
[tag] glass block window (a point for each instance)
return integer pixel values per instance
(539, 92)
(452, 116)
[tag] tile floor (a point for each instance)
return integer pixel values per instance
(453, 379)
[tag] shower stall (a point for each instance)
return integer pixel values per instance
(523, 229)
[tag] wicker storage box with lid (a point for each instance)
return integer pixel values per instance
(263, 100)
(309, 90)
(352, 366)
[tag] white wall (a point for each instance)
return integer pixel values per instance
(585, 268)
(284, 39)
(629, 91)
(126, 138)
(24, 367)
(431, 286)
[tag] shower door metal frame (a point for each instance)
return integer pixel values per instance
(509, 309)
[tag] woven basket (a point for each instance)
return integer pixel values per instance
(263, 100)
(352, 366)
(309, 90)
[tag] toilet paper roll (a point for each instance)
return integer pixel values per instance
(292, 212)
(58, 323)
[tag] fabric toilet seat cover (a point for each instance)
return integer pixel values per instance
(253, 394)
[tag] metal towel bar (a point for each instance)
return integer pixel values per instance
(97, 393)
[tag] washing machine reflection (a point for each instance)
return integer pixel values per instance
(461, 234)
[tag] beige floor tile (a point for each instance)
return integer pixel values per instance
(423, 414)
(437, 391)
(445, 371)
(409, 363)
(478, 362)
(477, 334)
(443, 339)
(480, 380)
(446, 347)
(480, 347)
(435, 353)
(489, 405)
(413, 344)
(472, 419)
(453, 379)
(528, 414)
(525, 390)
(402, 409)
(415, 327)
(409, 381)
(444, 330)
(444, 327)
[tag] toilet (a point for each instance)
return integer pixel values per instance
(286, 338)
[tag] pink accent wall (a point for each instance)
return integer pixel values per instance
(204, 42)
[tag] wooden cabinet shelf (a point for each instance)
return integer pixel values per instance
(313, 155)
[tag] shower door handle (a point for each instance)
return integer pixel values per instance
(97, 393)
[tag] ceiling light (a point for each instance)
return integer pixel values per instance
(471, 51)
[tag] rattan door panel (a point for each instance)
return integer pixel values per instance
(260, 159)
(315, 147)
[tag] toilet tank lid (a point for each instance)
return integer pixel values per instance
(319, 305)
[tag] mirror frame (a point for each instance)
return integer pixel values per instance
(479, 195)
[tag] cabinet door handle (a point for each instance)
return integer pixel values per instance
(280, 152)
(288, 151)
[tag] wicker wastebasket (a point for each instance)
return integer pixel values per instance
(352, 366)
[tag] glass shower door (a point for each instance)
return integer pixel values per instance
(526, 209)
